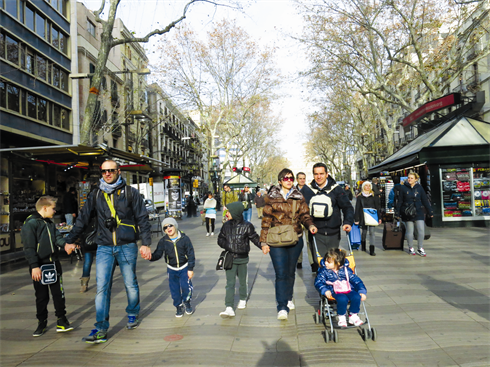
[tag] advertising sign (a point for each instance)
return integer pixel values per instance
(174, 197)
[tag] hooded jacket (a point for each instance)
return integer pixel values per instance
(340, 201)
(326, 277)
(41, 240)
(415, 194)
(236, 234)
(134, 219)
(177, 254)
(278, 211)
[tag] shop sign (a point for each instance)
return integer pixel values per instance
(446, 101)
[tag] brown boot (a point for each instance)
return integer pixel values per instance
(84, 282)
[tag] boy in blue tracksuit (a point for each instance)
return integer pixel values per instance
(179, 256)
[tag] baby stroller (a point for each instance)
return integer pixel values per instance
(328, 309)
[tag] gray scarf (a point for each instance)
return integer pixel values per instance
(109, 188)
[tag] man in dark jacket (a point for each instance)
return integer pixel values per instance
(121, 219)
(248, 197)
(70, 205)
(326, 199)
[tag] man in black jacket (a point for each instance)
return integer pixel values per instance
(70, 205)
(326, 199)
(121, 219)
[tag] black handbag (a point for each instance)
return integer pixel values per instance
(225, 261)
(410, 211)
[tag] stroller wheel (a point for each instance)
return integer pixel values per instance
(316, 315)
(373, 334)
(325, 336)
(368, 334)
(363, 334)
(335, 336)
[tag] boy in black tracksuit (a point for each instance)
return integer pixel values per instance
(42, 242)
(179, 256)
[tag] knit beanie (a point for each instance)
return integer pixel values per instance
(236, 210)
(171, 221)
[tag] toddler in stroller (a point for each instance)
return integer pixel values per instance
(335, 279)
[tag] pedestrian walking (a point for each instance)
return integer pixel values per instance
(42, 242)
(410, 206)
(259, 201)
(235, 237)
(178, 252)
(210, 216)
(278, 210)
(367, 200)
(122, 218)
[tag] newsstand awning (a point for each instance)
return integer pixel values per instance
(461, 131)
(239, 181)
(83, 153)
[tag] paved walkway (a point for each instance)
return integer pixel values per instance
(431, 311)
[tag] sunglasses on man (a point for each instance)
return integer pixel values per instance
(166, 227)
(110, 170)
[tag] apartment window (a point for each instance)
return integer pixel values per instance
(12, 50)
(91, 27)
(55, 38)
(29, 18)
(40, 26)
(30, 62)
(31, 106)
(41, 67)
(56, 77)
(91, 68)
(13, 95)
(42, 109)
(104, 83)
(56, 116)
(64, 80)
(65, 123)
(63, 43)
(3, 94)
(2, 45)
(11, 7)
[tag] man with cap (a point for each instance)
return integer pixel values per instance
(247, 198)
(178, 252)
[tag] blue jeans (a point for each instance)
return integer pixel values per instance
(180, 286)
(247, 214)
(69, 219)
(284, 260)
(344, 298)
(88, 259)
(126, 256)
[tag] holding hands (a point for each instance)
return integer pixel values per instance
(145, 252)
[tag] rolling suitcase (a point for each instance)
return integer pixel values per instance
(393, 236)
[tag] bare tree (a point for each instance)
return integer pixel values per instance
(108, 42)
(227, 78)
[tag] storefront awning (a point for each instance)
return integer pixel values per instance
(83, 153)
(461, 131)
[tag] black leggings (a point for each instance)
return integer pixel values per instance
(208, 222)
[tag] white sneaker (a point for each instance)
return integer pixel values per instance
(212, 233)
(291, 305)
(207, 234)
(355, 320)
(342, 321)
(282, 315)
(242, 304)
(227, 313)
